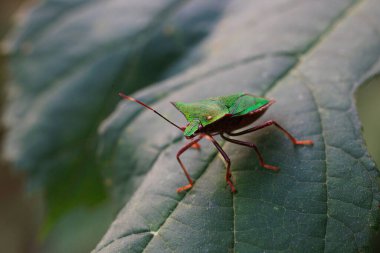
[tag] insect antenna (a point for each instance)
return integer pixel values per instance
(150, 108)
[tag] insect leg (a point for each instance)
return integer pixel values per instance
(180, 152)
(251, 145)
(226, 158)
(272, 122)
(196, 146)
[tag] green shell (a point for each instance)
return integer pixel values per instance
(205, 112)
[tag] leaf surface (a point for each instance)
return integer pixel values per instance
(308, 55)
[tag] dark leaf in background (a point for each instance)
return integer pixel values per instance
(308, 55)
(68, 61)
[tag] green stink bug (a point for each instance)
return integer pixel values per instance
(222, 116)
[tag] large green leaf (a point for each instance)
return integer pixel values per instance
(308, 55)
(68, 60)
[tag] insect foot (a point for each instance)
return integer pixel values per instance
(184, 188)
(304, 142)
(196, 146)
(233, 189)
(270, 167)
(229, 182)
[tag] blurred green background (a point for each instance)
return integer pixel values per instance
(21, 212)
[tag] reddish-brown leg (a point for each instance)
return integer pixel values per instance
(272, 122)
(227, 159)
(251, 145)
(180, 152)
(196, 146)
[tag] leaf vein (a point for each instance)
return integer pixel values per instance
(313, 99)
(121, 237)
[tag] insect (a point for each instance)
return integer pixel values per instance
(222, 116)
